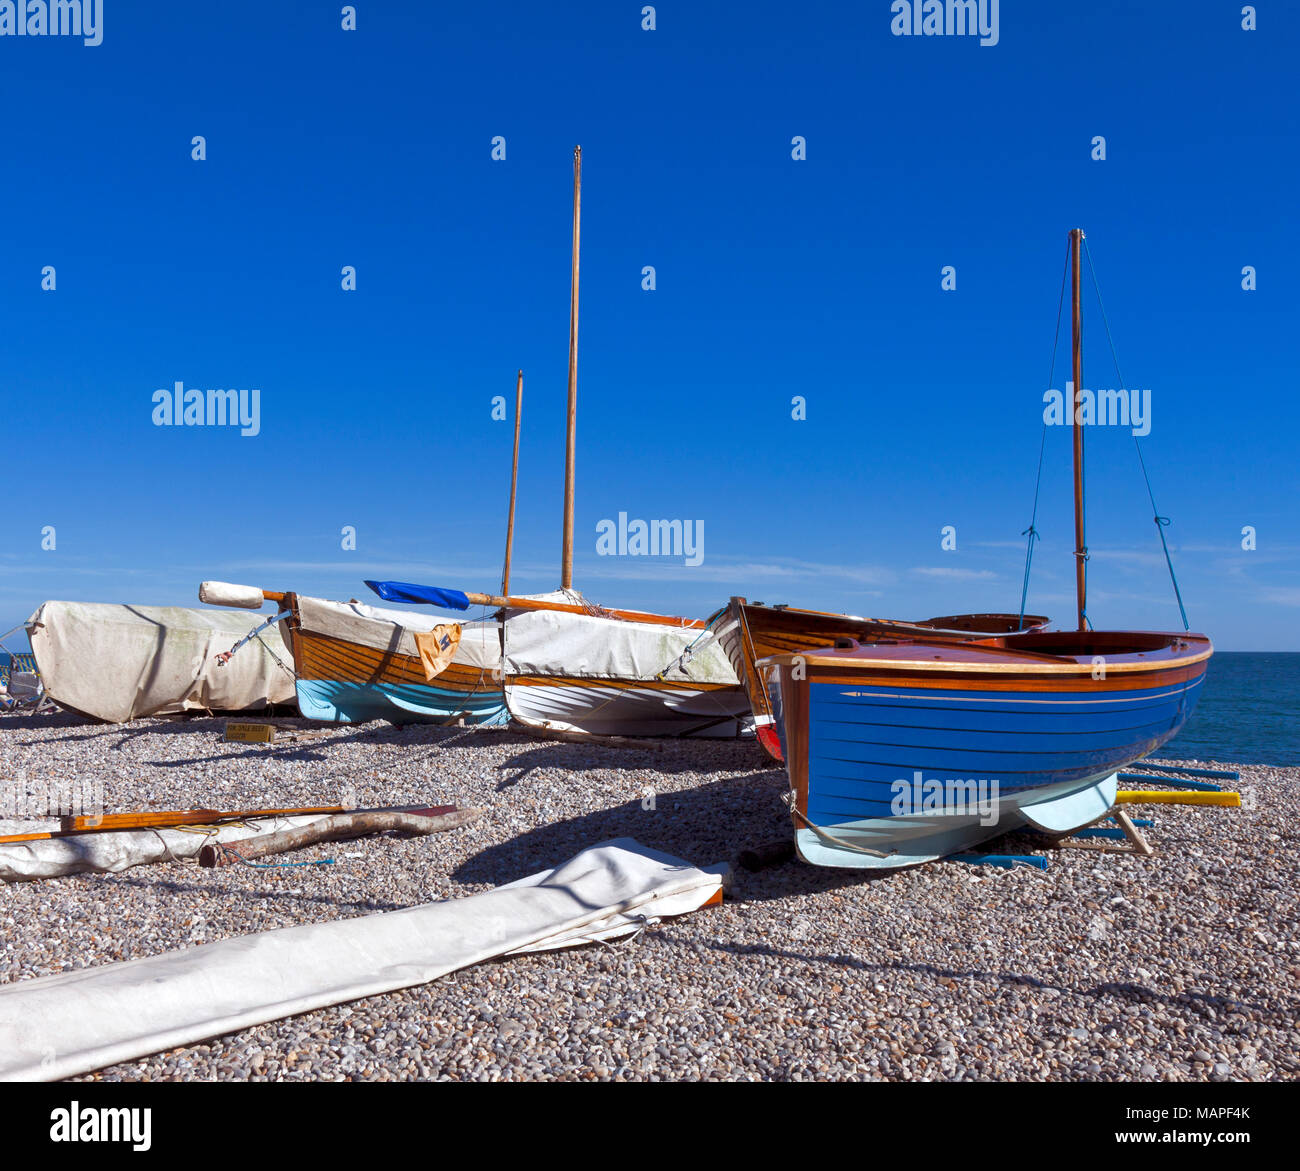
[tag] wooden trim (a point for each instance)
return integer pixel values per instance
(977, 668)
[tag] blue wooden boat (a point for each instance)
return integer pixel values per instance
(901, 753)
(903, 750)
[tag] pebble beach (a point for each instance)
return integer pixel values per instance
(1106, 966)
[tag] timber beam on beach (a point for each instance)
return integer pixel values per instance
(416, 822)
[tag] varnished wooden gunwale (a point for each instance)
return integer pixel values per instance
(767, 631)
(995, 675)
(1100, 689)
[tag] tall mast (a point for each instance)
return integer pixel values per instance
(1080, 550)
(566, 552)
(514, 484)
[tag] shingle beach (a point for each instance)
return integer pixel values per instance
(1184, 966)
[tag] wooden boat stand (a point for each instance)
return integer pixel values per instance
(1137, 844)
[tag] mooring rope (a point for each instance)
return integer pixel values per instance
(792, 800)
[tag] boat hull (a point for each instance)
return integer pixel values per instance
(353, 666)
(602, 674)
(913, 839)
(895, 764)
(751, 631)
(607, 707)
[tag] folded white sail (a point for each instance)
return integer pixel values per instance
(112, 852)
(59, 1026)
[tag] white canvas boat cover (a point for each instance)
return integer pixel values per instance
(582, 646)
(121, 662)
(59, 1026)
(108, 853)
(394, 630)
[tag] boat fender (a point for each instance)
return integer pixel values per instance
(223, 593)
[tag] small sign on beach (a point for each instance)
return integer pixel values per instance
(250, 733)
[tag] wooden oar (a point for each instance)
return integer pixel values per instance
(161, 820)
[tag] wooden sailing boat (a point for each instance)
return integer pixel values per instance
(553, 661)
(573, 666)
(749, 631)
(353, 662)
(902, 752)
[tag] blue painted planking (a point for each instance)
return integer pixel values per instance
(320, 699)
(861, 744)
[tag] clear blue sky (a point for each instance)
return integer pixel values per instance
(775, 278)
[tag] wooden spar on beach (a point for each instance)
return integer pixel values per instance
(419, 822)
(1076, 331)
(510, 603)
(514, 484)
(163, 819)
(566, 549)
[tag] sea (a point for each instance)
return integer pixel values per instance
(1249, 711)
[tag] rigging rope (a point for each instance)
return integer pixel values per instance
(1162, 522)
(1032, 531)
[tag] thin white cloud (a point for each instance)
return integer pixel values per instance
(953, 573)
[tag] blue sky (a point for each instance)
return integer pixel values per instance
(775, 278)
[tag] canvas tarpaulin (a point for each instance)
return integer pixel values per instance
(395, 630)
(121, 662)
(559, 643)
(59, 1026)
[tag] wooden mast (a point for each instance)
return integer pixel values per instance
(566, 553)
(514, 484)
(1080, 550)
